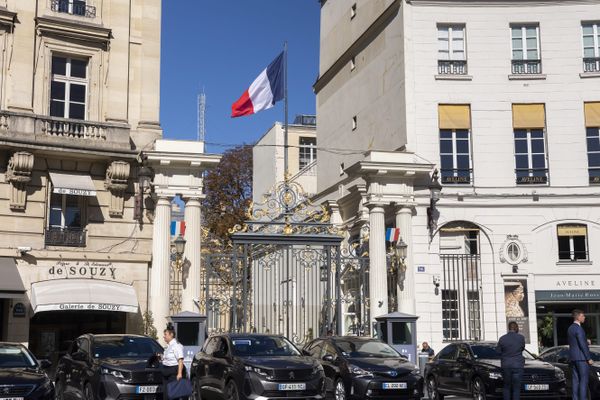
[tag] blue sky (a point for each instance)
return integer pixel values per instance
(222, 45)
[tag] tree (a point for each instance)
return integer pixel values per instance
(228, 190)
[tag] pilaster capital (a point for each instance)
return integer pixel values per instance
(376, 206)
(405, 208)
(193, 201)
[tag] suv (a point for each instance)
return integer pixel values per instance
(252, 366)
(110, 367)
(22, 376)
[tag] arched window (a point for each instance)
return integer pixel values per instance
(572, 242)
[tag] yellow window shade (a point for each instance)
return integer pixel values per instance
(453, 116)
(572, 230)
(527, 116)
(592, 115)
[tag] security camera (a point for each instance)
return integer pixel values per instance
(24, 249)
(436, 280)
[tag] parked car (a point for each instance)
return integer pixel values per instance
(252, 366)
(559, 357)
(106, 367)
(473, 369)
(22, 376)
(365, 368)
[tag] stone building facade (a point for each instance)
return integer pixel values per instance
(502, 98)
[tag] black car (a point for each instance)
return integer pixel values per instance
(106, 367)
(559, 357)
(255, 367)
(473, 369)
(365, 368)
(22, 376)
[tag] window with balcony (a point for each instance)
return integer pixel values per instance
(74, 7)
(307, 151)
(455, 146)
(65, 225)
(592, 124)
(69, 87)
(591, 47)
(530, 144)
(572, 243)
(526, 58)
(452, 58)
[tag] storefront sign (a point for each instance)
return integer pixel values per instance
(83, 269)
(569, 230)
(74, 192)
(516, 305)
(19, 310)
(566, 295)
(86, 307)
(566, 282)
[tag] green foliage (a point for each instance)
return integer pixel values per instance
(149, 329)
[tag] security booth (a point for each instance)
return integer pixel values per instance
(399, 330)
(190, 329)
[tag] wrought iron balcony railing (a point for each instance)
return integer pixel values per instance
(526, 67)
(452, 67)
(73, 7)
(69, 237)
(591, 64)
(456, 176)
(534, 176)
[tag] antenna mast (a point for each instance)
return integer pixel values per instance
(201, 116)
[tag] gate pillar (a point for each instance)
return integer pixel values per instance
(378, 285)
(406, 296)
(160, 274)
(193, 236)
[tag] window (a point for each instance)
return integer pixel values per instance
(526, 49)
(68, 89)
(572, 243)
(75, 7)
(65, 211)
(448, 353)
(451, 50)
(592, 123)
(591, 47)
(530, 156)
(307, 151)
(450, 323)
(455, 156)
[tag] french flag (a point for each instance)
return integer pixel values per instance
(392, 234)
(177, 228)
(265, 91)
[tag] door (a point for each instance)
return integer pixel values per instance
(445, 365)
(462, 370)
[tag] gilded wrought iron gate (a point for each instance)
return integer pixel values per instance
(287, 277)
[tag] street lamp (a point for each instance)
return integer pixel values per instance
(435, 191)
(179, 249)
(401, 248)
(145, 175)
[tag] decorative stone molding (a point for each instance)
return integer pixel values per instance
(117, 175)
(18, 174)
(513, 251)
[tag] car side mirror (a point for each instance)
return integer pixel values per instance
(45, 364)
(328, 358)
(306, 353)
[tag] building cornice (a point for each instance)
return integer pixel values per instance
(73, 29)
(372, 31)
(498, 3)
(380, 163)
(7, 18)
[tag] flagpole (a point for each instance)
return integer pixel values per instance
(285, 97)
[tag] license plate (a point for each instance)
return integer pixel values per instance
(146, 389)
(11, 398)
(537, 387)
(395, 385)
(292, 386)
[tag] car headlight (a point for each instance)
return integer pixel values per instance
(560, 375)
(116, 374)
(357, 371)
(259, 371)
(495, 375)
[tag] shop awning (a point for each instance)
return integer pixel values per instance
(11, 285)
(83, 295)
(73, 184)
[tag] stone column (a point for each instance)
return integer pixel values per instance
(193, 237)
(378, 285)
(160, 275)
(406, 297)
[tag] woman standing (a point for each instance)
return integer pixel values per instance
(172, 360)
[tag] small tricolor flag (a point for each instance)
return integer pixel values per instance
(177, 228)
(392, 234)
(265, 91)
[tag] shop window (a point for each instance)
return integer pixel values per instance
(69, 87)
(572, 243)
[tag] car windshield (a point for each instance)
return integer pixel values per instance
(16, 357)
(366, 349)
(125, 347)
(263, 346)
(489, 352)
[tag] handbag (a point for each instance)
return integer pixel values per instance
(177, 389)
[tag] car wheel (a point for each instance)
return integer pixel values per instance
(59, 390)
(339, 390)
(478, 389)
(196, 394)
(432, 389)
(231, 391)
(88, 393)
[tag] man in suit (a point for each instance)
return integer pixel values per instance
(579, 355)
(510, 347)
